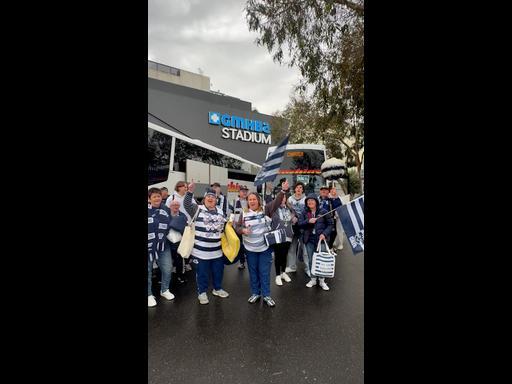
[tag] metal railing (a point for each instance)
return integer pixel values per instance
(163, 68)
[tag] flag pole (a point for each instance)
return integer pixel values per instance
(264, 194)
(332, 210)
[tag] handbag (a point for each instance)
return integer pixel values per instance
(276, 236)
(323, 262)
(230, 242)
(188, 237)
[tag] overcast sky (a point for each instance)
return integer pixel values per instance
(213, 35)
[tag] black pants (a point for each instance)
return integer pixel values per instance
(241, 252)
(280, 253)
(177, 260)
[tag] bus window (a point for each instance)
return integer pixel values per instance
(160, 144)
(159, 154)
(185, 150)
(312, 183)
(302, 163)
(305, 160)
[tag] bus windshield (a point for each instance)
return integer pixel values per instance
(302, 163)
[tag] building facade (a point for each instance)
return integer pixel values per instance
(207, 128)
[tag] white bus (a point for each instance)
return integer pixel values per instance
(173, 157)
(302, 163)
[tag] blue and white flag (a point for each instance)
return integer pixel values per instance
(352, 220)
(270, 167)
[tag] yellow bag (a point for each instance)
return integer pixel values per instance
(230, 242)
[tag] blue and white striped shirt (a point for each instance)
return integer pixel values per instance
(209, 226)
(257, 222)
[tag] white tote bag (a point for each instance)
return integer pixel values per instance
(188, 237)
(323, 262)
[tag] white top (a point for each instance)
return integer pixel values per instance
(297, 205)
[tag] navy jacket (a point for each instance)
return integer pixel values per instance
(323, 225)
(178, 223)
(329, 204)
(158, 228)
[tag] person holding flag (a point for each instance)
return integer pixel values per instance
(298, 204)
(283, 216)
(253, 224)
(317, 225)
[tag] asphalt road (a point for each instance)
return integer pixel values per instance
(310, 336)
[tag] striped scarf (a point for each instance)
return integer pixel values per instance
(158, 227)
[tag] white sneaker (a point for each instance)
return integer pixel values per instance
(322, 283)
(311, 283)
(221, 293)
(278, 280)
(288, 269)
(203, 299)
(270, 302)
(253, 298)
(168, 295)
(285, 277)
(151, 301)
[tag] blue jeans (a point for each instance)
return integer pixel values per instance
(259, 271)
(164, 262)
(311, 248)
(204, 267)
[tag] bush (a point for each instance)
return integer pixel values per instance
(355, 182)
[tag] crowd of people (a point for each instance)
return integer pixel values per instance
(307, 221)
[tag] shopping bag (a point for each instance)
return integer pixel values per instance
(323, 262)
(188, 238)
(230, 242)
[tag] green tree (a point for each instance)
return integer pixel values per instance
(354, 184)
(280, 127)
(309, 125)
(324, 39)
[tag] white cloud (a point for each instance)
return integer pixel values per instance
(170, 8)
(214, 36)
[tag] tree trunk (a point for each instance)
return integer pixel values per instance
(343, 186)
